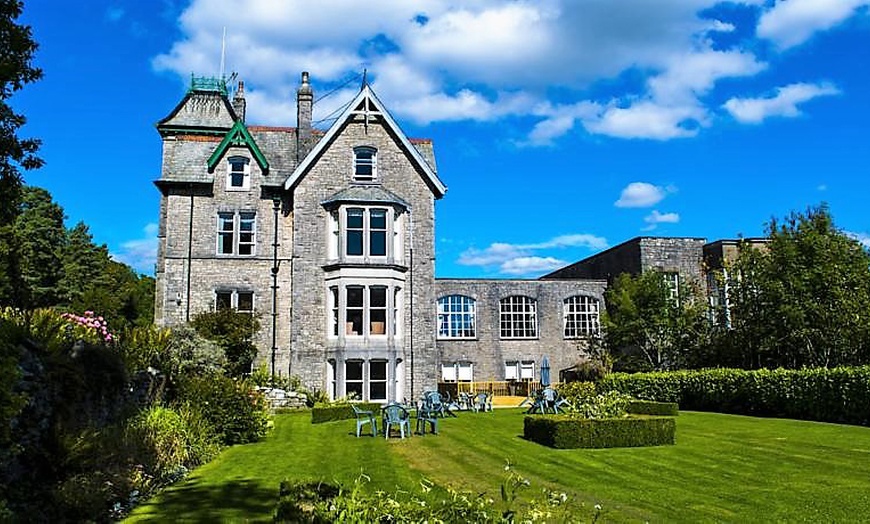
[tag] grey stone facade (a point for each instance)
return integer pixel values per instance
(340, 226)
(490, 352)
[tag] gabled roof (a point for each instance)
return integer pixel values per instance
(366, 102)
(238, 135)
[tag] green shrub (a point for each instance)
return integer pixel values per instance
(189, 353)
(828, 395)
(649, 407)
(171, 441)
(577, 393)
(611, 404)
(565, 432)
(234, 332)
(331, 412)
(142, 347)
(233, 407)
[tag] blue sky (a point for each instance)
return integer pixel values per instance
(561, 127)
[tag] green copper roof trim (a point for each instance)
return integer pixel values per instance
(208, 83)
(238, 135)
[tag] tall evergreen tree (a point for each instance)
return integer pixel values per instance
(84, 267)
(41, 238)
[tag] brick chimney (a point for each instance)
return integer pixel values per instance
(304, 103)
(239, 103)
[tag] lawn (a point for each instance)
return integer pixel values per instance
(723, 468)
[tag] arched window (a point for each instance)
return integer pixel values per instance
(456, 317)
(518, 317)
(580, 316)
(365, 165)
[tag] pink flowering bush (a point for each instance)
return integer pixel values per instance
(89, 327)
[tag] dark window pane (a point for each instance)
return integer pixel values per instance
(226, 243)
(246, 249)
(237, 179)
(246, 301)
(224, 300)
(377, 391)
(378, 219)
(353, 389)
(378, 296)
(354, 370)
(378, 243)
(354, 243)
(355, 218)
(378, 370)
(354, 297)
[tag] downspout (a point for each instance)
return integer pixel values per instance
(411, 300)
(276, 206)
(189, 253)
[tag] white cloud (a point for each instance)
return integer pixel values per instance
(521, 259)
(783, 103)
(448, 60)
(531, 265)
(641, 194)
(655, 218)
(141, 253)
(792, 22)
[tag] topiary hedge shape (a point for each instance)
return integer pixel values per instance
(565, 432)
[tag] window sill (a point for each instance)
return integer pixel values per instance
(231, 189)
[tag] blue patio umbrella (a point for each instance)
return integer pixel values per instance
(545, 372)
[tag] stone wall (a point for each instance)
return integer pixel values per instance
(488, 351)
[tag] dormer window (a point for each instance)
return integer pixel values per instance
(238, 173)
(365, 164)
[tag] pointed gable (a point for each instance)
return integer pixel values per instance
(204, 109)
(368, 105)
(239, 136)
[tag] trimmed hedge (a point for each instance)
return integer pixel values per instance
(564, 432)
(839, 395)
(649, 407)
(328, 413)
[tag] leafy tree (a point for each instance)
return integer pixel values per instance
(41, 238)
(804, 299)
(643, 319)
(234, 332)
(16, 53)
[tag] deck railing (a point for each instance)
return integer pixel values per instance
(500, 388)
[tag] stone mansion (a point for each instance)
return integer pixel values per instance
(329, 237)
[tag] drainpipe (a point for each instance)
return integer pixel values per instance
(411, 299)
(189, 253)
(276, 207)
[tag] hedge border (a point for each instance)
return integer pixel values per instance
(840, 395)
(330, 413)
(564, 432)
(651, 407)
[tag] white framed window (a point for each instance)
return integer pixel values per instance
(456, 317)
(527, 370)
(365, 164)
(518, 317)
(511, 370)
(237, 233)
(580, 316)
(366, 231)
(672, 282)
(357, 310)
(377, 380)
(464, 371)
(240, 300)
(238, 173)
(353, 379)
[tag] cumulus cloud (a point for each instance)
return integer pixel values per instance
(140, 253)
(642, 194)
(863, 238)
(790, 23)
(521, 259)
(784, 103)
(655, 218)
(446, 60)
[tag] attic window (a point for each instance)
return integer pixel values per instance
(365, 163)
(238, 173)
